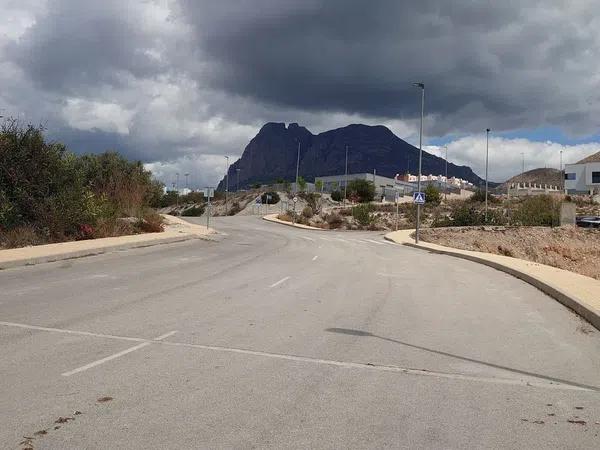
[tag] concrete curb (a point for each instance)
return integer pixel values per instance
(93, 251)
(27, 256)
(273, 218)
(566, 298)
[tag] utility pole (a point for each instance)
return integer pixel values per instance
(422, 87)
(446, 186)
(523, 167)
(177, 189)
(297, 167)
(487, 146)
(346, 177)
(186, 175)
(562, 175)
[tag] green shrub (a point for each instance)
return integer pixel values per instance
(467, 215)
(274, 198)
(363, 190)
(479, 197)
(432, 195)
(537, 210)
(336, 196)
(307, 212)
(194, 211)
(362, 214)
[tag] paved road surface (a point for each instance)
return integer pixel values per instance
(273, 337)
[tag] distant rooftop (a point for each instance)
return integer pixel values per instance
(589, 159)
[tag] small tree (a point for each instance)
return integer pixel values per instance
(432, 195)
(319, 185)
(301, 184)
(363, 189)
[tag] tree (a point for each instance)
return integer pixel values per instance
(432, 195)
(301, 184)
(319, 185)
(362, 189)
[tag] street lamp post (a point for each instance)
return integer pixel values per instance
(226, 183)
(562, 175)
(446, 185)
(177, 189)
(487, 147)
(422, 87)
(297, 169)
(346, 177)
(237, 184)
(186, 175)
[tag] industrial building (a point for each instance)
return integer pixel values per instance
(583, 177)
(384, 187)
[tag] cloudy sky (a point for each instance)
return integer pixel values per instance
(181, 83)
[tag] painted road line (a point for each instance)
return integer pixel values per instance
(373, 242)
(315, 257)
(307, 238)
(283, 280)
(325, 239)
(341, 240)
(358, 241)
(116, 355)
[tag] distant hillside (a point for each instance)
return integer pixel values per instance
(551, 177)
(272, 154)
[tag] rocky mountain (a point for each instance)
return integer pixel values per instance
(542, 175)
(272, 154)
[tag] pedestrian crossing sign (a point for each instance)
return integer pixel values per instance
(419, 198)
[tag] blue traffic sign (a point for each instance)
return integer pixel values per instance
(419, 198)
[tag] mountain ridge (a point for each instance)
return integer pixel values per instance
(272, 154)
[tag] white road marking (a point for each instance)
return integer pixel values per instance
(283, 280)
(307, 238)
(315, 257)
(373, 242)
(325, 239)
(530, 381)
(358, 240)
(116, 355)
(341, 240)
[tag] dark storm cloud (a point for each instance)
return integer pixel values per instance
(507, 60)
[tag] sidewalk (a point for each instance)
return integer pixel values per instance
(176, 230)
(577, 292)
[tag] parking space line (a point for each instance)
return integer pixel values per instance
(80, 333)
(116, 355)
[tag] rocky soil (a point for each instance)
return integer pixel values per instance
(569, 248)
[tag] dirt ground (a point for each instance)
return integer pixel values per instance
(569, 248)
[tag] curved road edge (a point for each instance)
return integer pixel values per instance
(577, 292)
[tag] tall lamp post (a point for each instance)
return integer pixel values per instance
(177, 188)
(346, 177)
(562, 175)
(226, 183)
(487, 147)
(422, 87)
(237, 184)
(446, 185)
(297, 168)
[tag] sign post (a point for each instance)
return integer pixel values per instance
(419, 198)
(208, 193)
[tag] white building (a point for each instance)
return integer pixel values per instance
(583, 177)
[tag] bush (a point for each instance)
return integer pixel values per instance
(194, 211)
(307, 212)
(467, 215)
(336, 196)
(362, 214)
(432, 195)
(334, 220)
(151, 223)
(274, 198)
(234, 209)
(363, 190)
(479, 197)
(537, 210)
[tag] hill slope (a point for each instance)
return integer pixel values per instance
(551, 177)
(272, 154)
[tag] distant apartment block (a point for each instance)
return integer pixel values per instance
(583, 177)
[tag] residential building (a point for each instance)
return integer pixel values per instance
(385, 188)
(583, 177)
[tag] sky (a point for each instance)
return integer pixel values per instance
(179, 84)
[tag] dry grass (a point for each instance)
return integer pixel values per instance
(22, 236)
(569, 248)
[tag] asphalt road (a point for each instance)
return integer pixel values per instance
(273, 337)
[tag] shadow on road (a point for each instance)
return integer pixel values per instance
(361, 333)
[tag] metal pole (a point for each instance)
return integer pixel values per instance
(346, 177)
(177, 189)
(186, 180)
(297, 168)
(237, 186)
(487, 145)
(208, 207)
(397, 208)
(446, 186)
(422, 87)
(562, 175)
(522, 166)
(226, 184)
